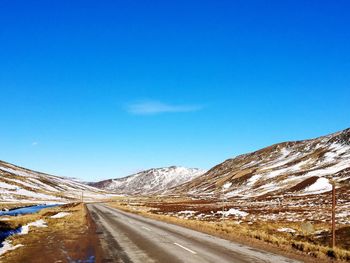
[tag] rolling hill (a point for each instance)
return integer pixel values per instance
(295, 168)
(18, 184)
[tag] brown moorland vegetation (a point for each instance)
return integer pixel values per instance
(301, 244)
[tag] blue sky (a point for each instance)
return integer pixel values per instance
(100, 89)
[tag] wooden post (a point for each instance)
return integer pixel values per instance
(333, 214)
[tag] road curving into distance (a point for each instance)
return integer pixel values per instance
(127, 237)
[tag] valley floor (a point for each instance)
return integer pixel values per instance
(128, 229)
(263, 223)
(127, 237)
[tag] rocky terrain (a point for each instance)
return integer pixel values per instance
(156, 180)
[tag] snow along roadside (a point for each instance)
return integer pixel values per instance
(7, 246)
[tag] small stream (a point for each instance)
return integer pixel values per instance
(5, 231)
(25, 210)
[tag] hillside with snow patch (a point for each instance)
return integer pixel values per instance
(18, 184)
(291, 168)
(156, 180)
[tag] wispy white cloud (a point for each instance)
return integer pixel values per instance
(34, 143)
(156, 107)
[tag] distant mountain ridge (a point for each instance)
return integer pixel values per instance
(294, 168)
(155, 180)
(297, 167)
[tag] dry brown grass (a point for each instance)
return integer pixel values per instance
(67, 238)
(255, 235)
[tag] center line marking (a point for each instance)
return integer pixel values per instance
(146, 228)
(185, 248)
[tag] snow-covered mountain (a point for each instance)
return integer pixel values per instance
(156, 180)
(297, 168)
(18, 184)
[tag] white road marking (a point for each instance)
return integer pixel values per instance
(146, 228)
(185, 248)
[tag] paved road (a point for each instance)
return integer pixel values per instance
(127, 237)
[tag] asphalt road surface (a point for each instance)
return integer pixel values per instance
(127, 237)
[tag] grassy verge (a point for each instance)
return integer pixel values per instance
(262, 235)
(68, 239)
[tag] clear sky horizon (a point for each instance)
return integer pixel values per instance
(102, 89)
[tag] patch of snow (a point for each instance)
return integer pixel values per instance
(252, 180)
(60, 215)
(7, 186)
(343, 214)
(270, 187)
(38, 223)
(329, 170)
(7, 246)
(286, 229)
(320, 186)
(234, 212)
(233, 193)
(226, 185)
(46, 186)
(254, 162)
(282, 160)
(186, 213)
(275, 173)
(321, 231)
(23, 183)
(17, 172)
(31, 194)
